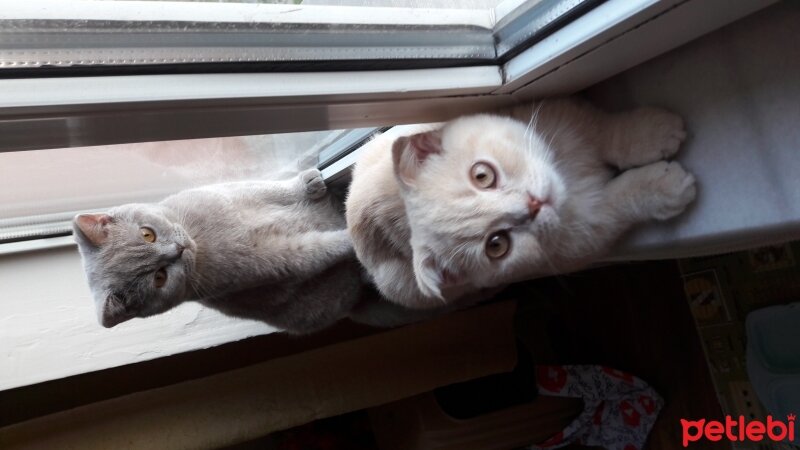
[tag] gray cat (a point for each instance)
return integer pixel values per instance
(275, 251)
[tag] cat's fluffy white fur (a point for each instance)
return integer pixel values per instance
(275, 251)
(422, 223)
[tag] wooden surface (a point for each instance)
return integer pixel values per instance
(28, 402)
(419, 423)
(242, 404)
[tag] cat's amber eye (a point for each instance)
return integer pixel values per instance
(160, 278)
(483, 175)
(498, 245)
(148, 234)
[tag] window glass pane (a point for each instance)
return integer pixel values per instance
(41, 190)
(121, 34)
(287, 35)
(448, 4)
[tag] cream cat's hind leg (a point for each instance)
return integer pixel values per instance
(642, 136)
(661, 190)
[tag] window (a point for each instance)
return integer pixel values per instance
(41, 190)
(200, 37)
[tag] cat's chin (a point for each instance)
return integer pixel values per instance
(547, 221)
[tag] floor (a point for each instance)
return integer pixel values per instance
(634, 318)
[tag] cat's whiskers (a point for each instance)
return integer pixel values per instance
(196, 284)
(530, 129)
(548, 260)
(528, 134)
(549, 147)
(454, 253)
(579, 232)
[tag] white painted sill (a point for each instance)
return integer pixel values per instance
(49, 328)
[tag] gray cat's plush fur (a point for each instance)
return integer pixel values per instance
(275, 251)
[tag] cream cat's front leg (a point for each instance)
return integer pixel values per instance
(660, 191)
(641, 136)
(654, 189)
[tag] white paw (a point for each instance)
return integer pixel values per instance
(313, 184)
(672, 189)
(653, 134)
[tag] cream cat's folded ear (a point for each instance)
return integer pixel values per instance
(432, 276)
(409, 152)
(92, 227)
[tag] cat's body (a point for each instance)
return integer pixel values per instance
(448, 212)
(275, 251)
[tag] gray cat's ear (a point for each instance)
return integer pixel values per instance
(432, 276)
(92, 227)
(409, 152)
(113, 312)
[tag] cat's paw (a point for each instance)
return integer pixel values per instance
(313, 184)
(671, 187)
(649, 135)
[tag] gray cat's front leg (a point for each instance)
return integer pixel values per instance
(305, 255)
(312, 184)
(308, 185)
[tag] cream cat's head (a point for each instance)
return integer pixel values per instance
(137, 261)
(484, 201)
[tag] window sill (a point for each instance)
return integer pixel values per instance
(49, 327)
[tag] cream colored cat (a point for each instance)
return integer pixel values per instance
(445, 212)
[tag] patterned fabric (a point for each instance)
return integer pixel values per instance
(619, 409)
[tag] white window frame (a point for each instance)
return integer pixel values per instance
(620, 33)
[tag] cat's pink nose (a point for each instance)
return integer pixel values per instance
(534, 205)
(179, 248)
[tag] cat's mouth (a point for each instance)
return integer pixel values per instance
(189, 246)
(546, 222)
(187, 258)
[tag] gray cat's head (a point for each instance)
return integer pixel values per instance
(137, 261)
(484, 202)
